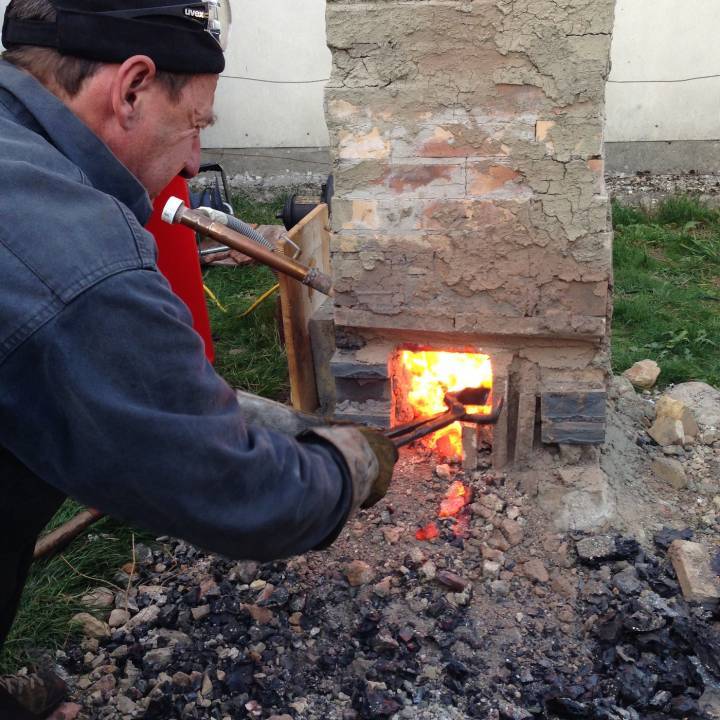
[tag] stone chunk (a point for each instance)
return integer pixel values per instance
(118, 618)
(677, 410)
(670, 471)
(513, 532)
(667, 431)
(643, 374)
(702, 400)
(99, 599)
(535, 570)
(596, 549)
(148, 615)
(359, 573)
(693, 566)
(90, 626)
(452, 580)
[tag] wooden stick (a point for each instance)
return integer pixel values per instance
(61, 537)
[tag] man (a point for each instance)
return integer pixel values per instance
(105, 394)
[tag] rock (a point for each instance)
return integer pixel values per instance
(392, 534)
(491, 569)
(170, 638)
(677, 410)
(99, 599)
(143, 554)
(160, 658)
(359, 573)
(90, 626)
(508, 711)
(501, 588)
(535, 570)
(666, 536)
(671, 471)
(428, 570)
(709, 703)
(383, 588)
(245, 571)
(582, 499)
(702, 400)
(127, 707)
(643, 374)
(512, 531)
(596, 549)
(200, 612)
(444, 472)
(627, 581)
(261, 615)
(694, 569)
(451, 580)
(147, 616)
(118, 618)
(667, 431)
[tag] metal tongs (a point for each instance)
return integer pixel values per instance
(457, 403)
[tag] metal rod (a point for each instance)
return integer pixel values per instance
(178, 212)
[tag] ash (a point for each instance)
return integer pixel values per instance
(512, 621)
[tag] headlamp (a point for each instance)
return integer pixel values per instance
(214, 16)
(184, 37)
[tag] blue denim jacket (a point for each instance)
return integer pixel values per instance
(105, 393)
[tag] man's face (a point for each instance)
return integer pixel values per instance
(166, 142)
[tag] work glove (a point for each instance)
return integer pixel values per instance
(370, 457)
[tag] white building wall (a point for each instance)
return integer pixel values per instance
(665, 80)
(271, 94)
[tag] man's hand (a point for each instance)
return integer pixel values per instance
(387, 455)
(369, 455)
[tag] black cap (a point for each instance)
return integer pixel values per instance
(90, 29)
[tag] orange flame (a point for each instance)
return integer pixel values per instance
(456, 498)
(425, 376)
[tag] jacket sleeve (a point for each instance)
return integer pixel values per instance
(113, 403)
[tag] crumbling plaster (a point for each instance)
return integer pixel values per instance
(470, 198)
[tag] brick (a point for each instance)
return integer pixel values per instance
(693, 566)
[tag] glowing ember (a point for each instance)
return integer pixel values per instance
(423, 379)
(429, 532)
(456, 498)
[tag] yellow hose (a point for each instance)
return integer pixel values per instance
(214, 298)
(261, 299)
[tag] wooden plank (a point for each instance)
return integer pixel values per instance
(299, 302)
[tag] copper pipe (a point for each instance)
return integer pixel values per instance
(178, 212)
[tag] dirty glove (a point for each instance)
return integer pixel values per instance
(370, 457)
(276, 416)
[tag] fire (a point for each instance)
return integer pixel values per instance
(425, 376)
(456, 498)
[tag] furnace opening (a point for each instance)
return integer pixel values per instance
(420, 380)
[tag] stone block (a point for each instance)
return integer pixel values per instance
(676, 409)
(643, 374)
(667, 431)
(670, 471)
(574, 418)
(693, 566)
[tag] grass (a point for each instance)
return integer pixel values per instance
(667, 289)
(249, 356)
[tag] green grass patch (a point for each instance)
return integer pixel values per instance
(667, 289)
(250, 356)
(54, 588)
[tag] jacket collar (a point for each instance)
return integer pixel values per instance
(74, 140)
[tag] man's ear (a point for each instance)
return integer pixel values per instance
(133, 79)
